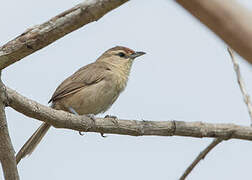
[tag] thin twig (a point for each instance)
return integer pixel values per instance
(240, 81)
(215, 142)
(201, 156)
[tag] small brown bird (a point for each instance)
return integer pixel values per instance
(90, 90)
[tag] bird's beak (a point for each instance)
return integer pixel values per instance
(136, 54)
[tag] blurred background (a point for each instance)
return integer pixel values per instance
(186, 75)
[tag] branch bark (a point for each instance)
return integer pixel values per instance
(7, 154)
(61, 119)
(226, 18)
(42, 35)
(241, 84)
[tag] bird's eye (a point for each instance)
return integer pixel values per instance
(121, 54)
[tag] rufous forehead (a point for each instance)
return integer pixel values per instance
(128, 50)
(125, 49)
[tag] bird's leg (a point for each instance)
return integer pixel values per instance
(92, 117)
(113, 119)
(74, 112)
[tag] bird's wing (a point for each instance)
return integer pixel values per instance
(85, 76)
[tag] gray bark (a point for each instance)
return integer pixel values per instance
(62, 119)
(7, 154)
(42, 35)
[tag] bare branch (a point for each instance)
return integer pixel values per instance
(7, 154)
(201, 156)
(228, 19)
(42, 35)
(215, 142)
(61, 119)
(246, 96)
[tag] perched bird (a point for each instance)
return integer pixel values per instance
(90, 90)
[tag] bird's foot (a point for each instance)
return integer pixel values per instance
(81, 133)
(111, 116)
(92, 117)
(113, 119)
(102, 135)
(74, 112)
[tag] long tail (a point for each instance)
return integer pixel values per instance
(32, 142)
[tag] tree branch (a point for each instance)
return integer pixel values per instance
(229, 21)
(42, 35)
(226, 18)
(7, 154)
(244, 92)
(217, 141)
(200, 157)
(61, 119)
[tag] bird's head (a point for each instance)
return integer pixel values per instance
(120, 56)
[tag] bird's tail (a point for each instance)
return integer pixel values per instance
(32, 142)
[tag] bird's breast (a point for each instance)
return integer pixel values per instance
(120, 78)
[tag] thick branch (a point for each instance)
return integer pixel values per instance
(7, 154)
(61, 119)
(42, 35)
(227, 19)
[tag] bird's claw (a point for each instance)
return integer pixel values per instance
(102, 135)
(113, 119)
(91, 116)
(111, 116)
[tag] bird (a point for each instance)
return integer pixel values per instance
(89, 91)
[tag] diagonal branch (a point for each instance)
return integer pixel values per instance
(244, 92)
(217, 141)
(7, 154)
(200, 157)
(61, 119)
(42, 35)
(227, 19)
